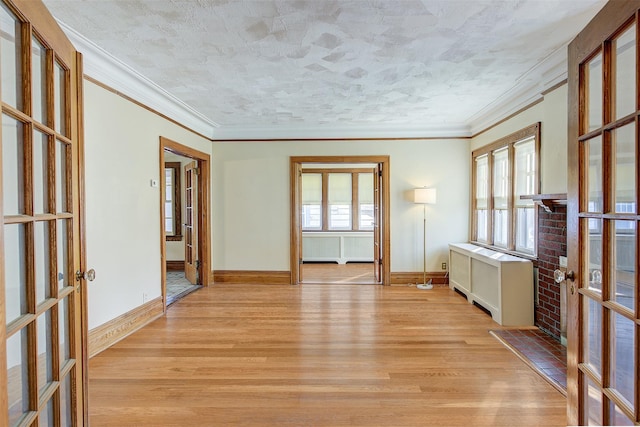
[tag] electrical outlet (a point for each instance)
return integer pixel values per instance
(444, 266)
(145, 297)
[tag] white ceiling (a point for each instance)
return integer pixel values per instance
(334, 67)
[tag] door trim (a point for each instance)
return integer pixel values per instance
(204, 203)
(295, 164)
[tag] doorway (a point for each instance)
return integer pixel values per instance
(184, 219)
(339, 217)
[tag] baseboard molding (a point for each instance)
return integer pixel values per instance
(406, 278)
(109, 333)
(238, 277)
(175, 265)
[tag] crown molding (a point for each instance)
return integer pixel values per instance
(396, 131)
(105, 68)
(529, 89)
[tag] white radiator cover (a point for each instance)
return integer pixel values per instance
(501, 283)
(340, 247)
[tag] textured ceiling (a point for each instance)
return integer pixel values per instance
(265, 63)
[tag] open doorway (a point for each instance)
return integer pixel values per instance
(184, 218)
(340, 228)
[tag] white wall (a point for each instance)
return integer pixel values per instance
(552, 113)
(251, 208)
(122, 143)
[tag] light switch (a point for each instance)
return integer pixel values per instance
(562, 261)
(154, 183)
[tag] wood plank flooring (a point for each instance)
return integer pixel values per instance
(315, 355)
(338, 273)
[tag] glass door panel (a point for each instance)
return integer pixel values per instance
(17, 376)
(624, 169)
(45, 351)
(13, 163)
(622, 357)
(593, 253)
(39, 83)
(624, 64)
(15, 271)
(593, 81)
(592, 339)
(42, 263)
(60, 98)
(594, 183)
(623, 280)
(40, 173)
(11, 60)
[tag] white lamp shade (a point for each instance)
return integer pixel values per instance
(424, 196)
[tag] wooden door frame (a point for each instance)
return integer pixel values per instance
(613, 15)
(295, 164)
(204, 202)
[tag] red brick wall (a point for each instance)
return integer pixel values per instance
(552, 243)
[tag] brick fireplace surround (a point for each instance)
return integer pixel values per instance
(552, 243)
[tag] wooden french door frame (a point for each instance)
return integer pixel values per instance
(204, 204)
(593, 308)
(48, 379)
(295, 248)
(191, 246)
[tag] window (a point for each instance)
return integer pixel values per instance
(337, 199)
(504, 172)
(172, 203)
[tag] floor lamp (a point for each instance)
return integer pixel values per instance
(424, 197)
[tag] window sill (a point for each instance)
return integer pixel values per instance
(548, 202)
(530, 257)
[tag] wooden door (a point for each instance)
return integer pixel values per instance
(43, 351)
(377, 224)
(191, 263)
(603, 320)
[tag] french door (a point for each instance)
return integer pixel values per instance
(41, 305)
(191, 267)
(603, 219)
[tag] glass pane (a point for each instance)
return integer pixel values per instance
(525, 170)
(365, 188)
(618, 417)
(17, 376)
(65, 402)
(61, 176)
(311, 217)
(340, 217)
(525, 229)
(623, 282)
(60, 98)
(593, 403)
(482, 182)
(501, 188)
(45, 418)
(11, 62)
(366, 216)
(594, 182)
(624, 164)
(39, 87)
(63, 331)
(45, 353)
(593, 80)
(482, 216)
(40, 172)
(43, 288)
(592, 340)
(311, 188)
(624, 63)
(500, 228)
(593, 253)
(622, 356)
(339, 188)
(62, 248)
(12, 166)
(15, 271)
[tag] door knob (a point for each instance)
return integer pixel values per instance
(87, 275)
(559, 276)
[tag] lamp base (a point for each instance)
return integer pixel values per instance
(425, 286)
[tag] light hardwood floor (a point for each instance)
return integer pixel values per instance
(338, 273)
(315, 355)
